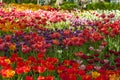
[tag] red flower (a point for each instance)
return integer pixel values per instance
(22, 69)
(104, 43)
(8, 38)
(1, 40)
(55, 42)
(102, 71)
(84, 56)
(89, 67)
(2, 45)
(102, 77)
(66, 76)
(27, 37)
(35, 68)
(41, 55)
(96, 59)
(55, 35)
(25, 49)
(32, 59)
(60, 69)
(7, 73)
(41, 69)
(96, 54)
(103, 15)
(19, 33)
(51, 60)
(118, 71)
(90, 61)
(86, 77)
(111, 15)
(96, 36)
(106, 20)
(48, 45)
(66, 62)
(14, 57)
(41, 78)
(50, 67)
(75, 65)
(29, 78)
(19, 70)
(39, 46)
(26, 69)
(66, 32)
(72, 71)
(20, 63)
(5, 62)
(79, 54)
(49, 78)
(81, 72)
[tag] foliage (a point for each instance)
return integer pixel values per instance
(103, 6)
(21, 1)
(68, 6)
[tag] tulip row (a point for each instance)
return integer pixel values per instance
(33, 7)
(50, 69)
(11, 19)
(50, 19)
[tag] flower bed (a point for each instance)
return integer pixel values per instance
(55, 45)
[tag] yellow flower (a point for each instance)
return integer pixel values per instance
(114, 77)
(10, 73)
(4, 30)
(8, 61)
(7, 73)
(12, 47)
(23, 7)
(95, 74)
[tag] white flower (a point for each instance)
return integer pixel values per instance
(59, 51)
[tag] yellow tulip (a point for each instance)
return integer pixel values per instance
(12, 47)
(95, 74)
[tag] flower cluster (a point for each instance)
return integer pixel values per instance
(11, 19)
(29, 7)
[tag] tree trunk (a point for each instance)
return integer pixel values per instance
(38, 2)
(58, 2)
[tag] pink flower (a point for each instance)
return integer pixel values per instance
(106, 61)
(97, 67)
(91, 48)
(82, 67)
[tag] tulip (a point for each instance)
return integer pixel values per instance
(7, 73)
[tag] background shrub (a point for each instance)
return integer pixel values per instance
(103, 6)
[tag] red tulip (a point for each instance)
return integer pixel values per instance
(49, 78)
(29, 78)
(8, 38)
(25, 49)
(41, 78)
(86, 77)
(41, 69)
(89, 67)
(2, 45)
